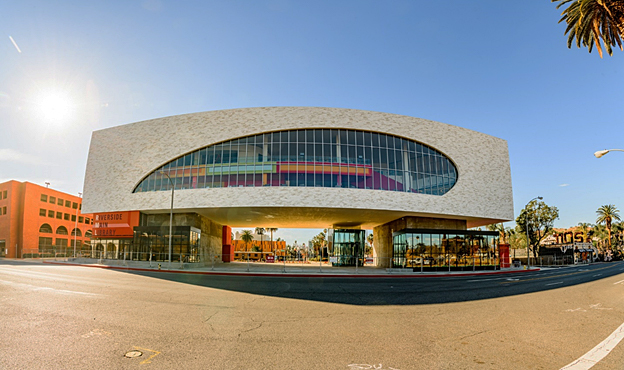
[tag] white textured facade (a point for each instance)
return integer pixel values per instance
(120, 157)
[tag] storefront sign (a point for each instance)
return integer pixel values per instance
(270, 259)
(115, 224)
(569, 237)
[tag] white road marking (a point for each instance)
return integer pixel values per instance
(559, 282)
(576, 310)
(596, 275)
(597, 307)
(591, 358)
(619, 282)
(37, 288)
(472, 281)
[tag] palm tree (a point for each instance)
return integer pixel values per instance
(370, 240)
(584, 228)
(593, 21)
(618, 232)
(516, 240)
(272, 230)
(260, 231)
(599, 235)
(247, 237)
(501, 231)
(606, 214)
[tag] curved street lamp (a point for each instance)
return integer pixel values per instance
(601, 153)
(76, 228)
(527, 232)
(170, 216)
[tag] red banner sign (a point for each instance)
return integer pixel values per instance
(115, 224)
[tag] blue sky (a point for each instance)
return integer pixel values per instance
(498, 67)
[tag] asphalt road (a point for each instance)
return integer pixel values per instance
(68, 317)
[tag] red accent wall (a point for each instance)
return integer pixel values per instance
(503, 255)
(227, 252)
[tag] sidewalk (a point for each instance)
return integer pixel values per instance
(272, 269)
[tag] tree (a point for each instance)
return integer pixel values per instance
(592, 22)
(606, 214)
(538, 218)
(501, 231)
(247, 237)
(584, 228)
(272, 230)
(318, 243)
(370, 240)
(516, 239)
(599, 235)
(617, 230)
(260, 231)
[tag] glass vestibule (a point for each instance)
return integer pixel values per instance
(445, 250)
(346, 247)
(154, 241)
(151, 243)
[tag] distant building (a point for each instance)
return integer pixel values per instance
(36, 221)
(257, 249)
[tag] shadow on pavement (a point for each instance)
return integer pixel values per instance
(392, 291)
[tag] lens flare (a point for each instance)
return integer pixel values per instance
(54, 107)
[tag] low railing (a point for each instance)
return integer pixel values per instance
(299, 263)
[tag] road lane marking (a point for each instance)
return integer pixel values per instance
(472, 281)
(369, 367)
(591, 358)
(619, 282)
(576, 310)
(38, 288)
(148, 360)
(95, 332)
(597, 307)
(596, 275)
(559, 282)
(554, 276)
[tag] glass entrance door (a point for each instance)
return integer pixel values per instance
(347, 247)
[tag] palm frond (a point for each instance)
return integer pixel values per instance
(593, 23)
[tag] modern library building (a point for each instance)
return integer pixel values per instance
(419, 184)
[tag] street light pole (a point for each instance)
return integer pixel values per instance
(76, 226)
(170, 216)
(527, 231)
(601, 153)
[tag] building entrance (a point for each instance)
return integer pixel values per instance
(346, 247)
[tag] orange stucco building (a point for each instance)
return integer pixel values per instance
(36, 221)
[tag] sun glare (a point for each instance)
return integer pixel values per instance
(54, 107)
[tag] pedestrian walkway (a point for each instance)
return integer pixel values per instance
(272, 269)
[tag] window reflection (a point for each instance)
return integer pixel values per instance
(311, 158)
(450, 250)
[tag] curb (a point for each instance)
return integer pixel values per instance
(298, 275)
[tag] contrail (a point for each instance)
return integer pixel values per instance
(15, 44)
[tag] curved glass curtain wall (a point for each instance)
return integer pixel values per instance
(314, 158)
